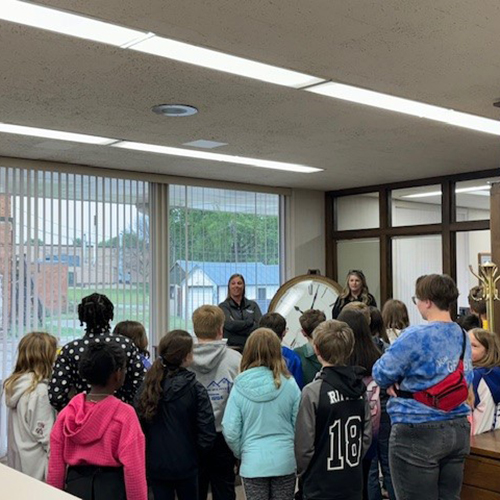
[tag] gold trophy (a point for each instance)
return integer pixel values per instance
(488, 277)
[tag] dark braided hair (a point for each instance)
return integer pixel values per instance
(96, 311)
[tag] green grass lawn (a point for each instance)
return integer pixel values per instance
(128, 304)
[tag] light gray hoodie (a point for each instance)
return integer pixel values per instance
(216, 366)
(31, 418)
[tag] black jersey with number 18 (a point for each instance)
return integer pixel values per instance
(333, 433)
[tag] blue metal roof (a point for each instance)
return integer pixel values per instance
(255, 273)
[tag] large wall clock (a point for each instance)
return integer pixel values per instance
(309, 291)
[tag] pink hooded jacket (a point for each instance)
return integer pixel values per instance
(106, 434)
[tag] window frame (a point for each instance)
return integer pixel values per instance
(448, 227)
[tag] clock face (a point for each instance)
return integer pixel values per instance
(298, 295)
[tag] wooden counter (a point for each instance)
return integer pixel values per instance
(482, 468)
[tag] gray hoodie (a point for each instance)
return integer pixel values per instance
(31, 418)
(216, 366)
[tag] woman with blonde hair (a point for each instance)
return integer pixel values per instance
(486, 382)
(31, 416)
(355, 290)
(259, 421)
(395, 317)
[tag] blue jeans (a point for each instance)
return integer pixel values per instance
(382, 458)
(427, 460)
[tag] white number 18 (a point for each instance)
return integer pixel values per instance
(345, 445)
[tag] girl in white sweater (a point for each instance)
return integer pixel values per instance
(31, 416)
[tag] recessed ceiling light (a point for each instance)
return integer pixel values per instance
(69, 24)
(406, 106)
(212, 59)
(205, 155)
(54, 134)
(174, 110)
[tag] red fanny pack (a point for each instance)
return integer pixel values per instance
(446, 395)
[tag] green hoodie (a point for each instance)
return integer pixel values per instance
(310, 363)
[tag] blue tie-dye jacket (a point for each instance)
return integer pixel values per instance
(421, 357)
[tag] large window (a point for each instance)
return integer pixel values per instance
(414, 257)
(215, 233)
(65, 235)
(62, 237)
(437, 225)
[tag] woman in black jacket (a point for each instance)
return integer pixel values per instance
(242, 315)
(177, 419)
(355, 290)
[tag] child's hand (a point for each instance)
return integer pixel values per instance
(393, 390)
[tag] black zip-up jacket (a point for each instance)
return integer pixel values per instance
(182, 430)
(241, 321)
(332, 434)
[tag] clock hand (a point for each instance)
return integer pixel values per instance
(298, 309)
(315, 297)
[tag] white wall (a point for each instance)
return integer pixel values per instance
(306, 229)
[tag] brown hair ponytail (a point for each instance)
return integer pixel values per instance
(173, 349)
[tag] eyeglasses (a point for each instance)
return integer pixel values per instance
(414, 299)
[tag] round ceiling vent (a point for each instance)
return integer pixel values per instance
(175, 110)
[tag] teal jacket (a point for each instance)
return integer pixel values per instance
(259, 423)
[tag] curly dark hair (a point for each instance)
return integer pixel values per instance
(99, 361)
(96, 311)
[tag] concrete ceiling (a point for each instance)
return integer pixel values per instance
(443, 52)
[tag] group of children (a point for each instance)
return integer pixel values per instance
(185, 422)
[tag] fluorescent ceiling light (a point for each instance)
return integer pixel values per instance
(68, 24)
(205, 155)
(54, 134)
(473, 189)
(100, 31)
(212, 59)
(423, 195)
(406, 106)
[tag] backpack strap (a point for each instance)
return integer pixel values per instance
(464, 344)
